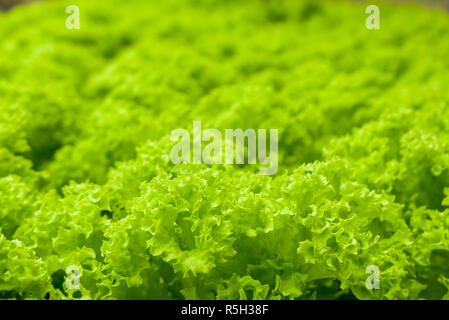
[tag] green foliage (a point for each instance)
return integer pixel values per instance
(85, 176)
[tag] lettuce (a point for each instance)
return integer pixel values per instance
(86, 181)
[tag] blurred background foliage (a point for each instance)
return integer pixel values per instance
(7, 4)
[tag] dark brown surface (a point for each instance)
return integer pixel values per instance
(8, 4)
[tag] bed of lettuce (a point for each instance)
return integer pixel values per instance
(85, 176)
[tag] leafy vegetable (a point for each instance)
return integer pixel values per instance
(86, 180)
